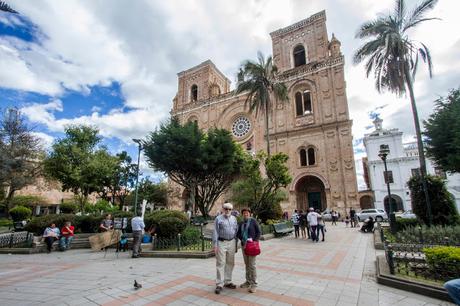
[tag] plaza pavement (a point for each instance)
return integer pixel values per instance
(339, 272)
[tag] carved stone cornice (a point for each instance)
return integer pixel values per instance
(300, 24)
(310, 68)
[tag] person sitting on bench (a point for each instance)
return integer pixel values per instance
(66, 236)
(368, 225)
(50, 235)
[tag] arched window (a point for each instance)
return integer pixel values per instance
(298, 104)
(303, 103)
(194, 92)
(311, 156)
(299, 56)
(303, 157)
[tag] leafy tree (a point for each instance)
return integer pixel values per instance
(4, 7)
(27, 200)
(393, 55)
(443, 207)
(124, 178)
(263, 194)
(20, 154)
(151, 192)
(442, 130)
(205, 164)
(258, 79)
(79, 163)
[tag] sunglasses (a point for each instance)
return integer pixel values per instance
(227, 209)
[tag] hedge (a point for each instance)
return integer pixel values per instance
(38, 224)
(402, 224)
(68, 208)
(444, 260)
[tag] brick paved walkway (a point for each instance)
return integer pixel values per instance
(291, 271)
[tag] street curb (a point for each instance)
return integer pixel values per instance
(385, 278)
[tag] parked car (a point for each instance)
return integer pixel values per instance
(408, 214)
(376, 214)
(327, 216)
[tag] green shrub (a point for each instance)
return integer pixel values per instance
(434, 235)
(68, 208)
(269, 211)
(38, 224)
(444, 261)
(88, 224)
(402, 224)
(442, 203)
(266, 228)
(191, 235)
(165, 228)
(6, 222)
(170, 227)
(20, 213)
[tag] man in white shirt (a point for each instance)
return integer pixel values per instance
(223, 240)
(312, 219)
(137, 224)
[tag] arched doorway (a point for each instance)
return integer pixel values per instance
(366, 202)
(396, 202)
(310, 192)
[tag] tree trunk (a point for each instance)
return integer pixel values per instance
(421, 153)
(266, 130)
(8, 199)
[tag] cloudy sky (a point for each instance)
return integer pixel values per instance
(113, 63)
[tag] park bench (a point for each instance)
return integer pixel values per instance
(280, 229)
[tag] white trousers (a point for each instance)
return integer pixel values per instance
(225, 261)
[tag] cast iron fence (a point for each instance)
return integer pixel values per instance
(16, 240)
(180, 243)
(410, 260)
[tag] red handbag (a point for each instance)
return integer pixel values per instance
(252, 248)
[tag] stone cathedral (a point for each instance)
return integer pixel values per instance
(313, 127)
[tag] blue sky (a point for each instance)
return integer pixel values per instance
(113, 64)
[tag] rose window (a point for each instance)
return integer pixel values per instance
(241, 127)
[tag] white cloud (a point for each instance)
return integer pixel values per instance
(143, 44)
(45, 139)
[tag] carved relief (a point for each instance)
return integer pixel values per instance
(330, 134)
(348, 163)
(306, 120)
(333, 165)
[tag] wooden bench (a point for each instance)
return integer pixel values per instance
(281, 229)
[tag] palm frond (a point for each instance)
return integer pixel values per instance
(400, 11)
(6, 8)
(416, 15)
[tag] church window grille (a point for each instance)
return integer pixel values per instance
(299, 56)
(241, 127)
(311, 156)
(303, 157)
(307, 157)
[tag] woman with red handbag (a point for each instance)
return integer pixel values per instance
(249, 234)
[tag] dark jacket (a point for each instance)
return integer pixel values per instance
(253, 230)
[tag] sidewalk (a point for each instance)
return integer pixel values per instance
(291, 271)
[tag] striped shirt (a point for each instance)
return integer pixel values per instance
(224, 228)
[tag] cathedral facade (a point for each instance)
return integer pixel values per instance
(313, 128)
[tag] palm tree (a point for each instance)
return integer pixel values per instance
(6, 8)
(258, 79)
(393, 57)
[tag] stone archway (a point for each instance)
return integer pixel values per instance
(366, 202)
(397, 203)
(310, 192)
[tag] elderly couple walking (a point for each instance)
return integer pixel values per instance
(225, 237)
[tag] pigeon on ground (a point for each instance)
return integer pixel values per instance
(137, 285)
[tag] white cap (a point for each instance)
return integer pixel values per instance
(227, 205)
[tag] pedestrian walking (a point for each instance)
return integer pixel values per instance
(321, 227)
(335, 217)
(224, 243)
(296, 222)
(352, 217)
(312, 219)
(303, 224)
(249, 231)
(138, 226)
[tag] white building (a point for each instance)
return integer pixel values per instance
(402, 163)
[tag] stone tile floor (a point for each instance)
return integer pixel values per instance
(338, 272)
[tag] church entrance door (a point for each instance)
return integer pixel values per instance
(310, 192)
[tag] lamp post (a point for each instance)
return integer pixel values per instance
(383, 153)
(139, 142)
